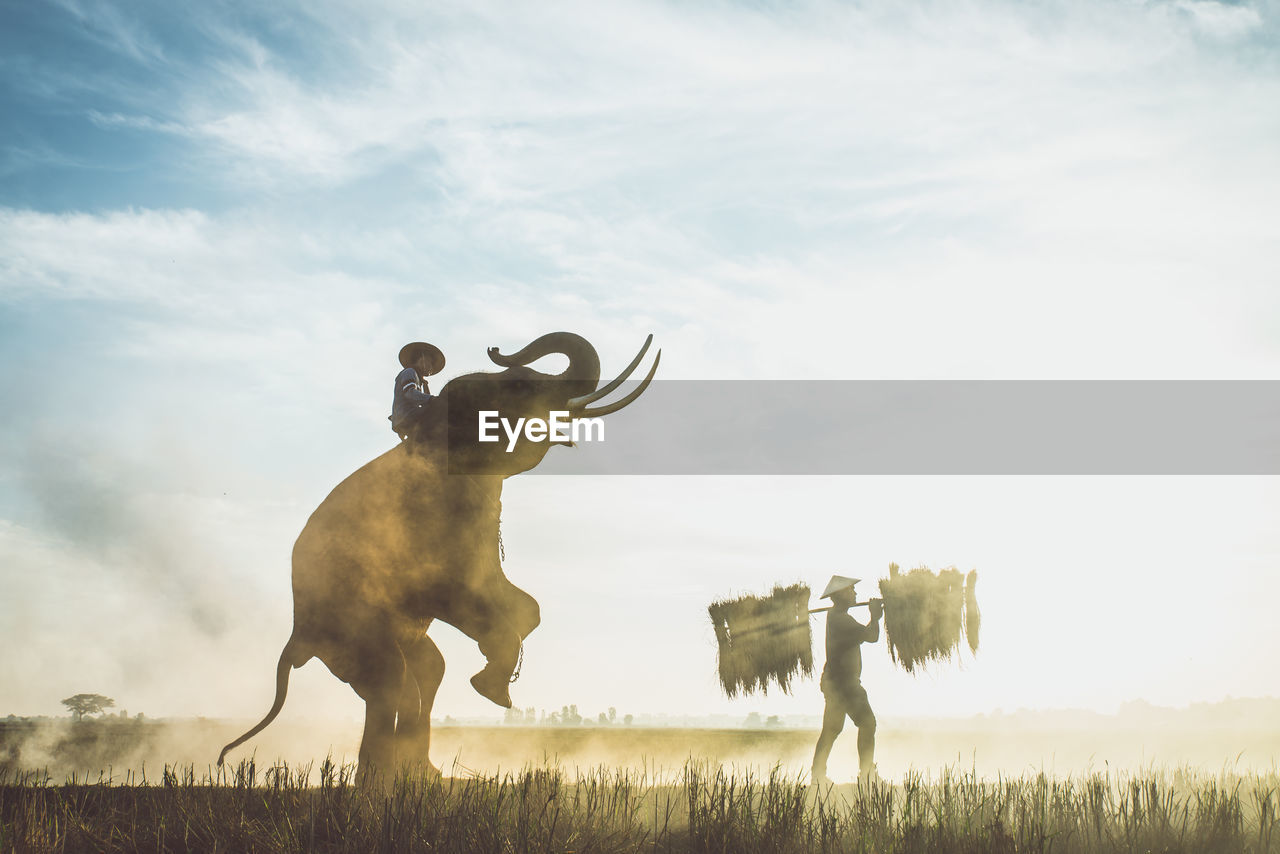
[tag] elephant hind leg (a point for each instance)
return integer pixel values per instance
(413, 719)
(379, 680)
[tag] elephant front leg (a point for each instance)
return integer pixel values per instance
(522, 609)
(500, 644)
(425, 667)
(492, 623)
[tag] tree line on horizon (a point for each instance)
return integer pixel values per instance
(567, 716)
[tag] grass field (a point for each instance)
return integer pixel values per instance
(703, 809)
(696, 804)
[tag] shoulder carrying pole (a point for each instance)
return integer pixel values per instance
(829, 607)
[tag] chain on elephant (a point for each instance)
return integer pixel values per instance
(502, 557)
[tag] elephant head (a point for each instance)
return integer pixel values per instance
(517, 395)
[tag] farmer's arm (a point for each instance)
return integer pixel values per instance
(871, 631)
(407, 382)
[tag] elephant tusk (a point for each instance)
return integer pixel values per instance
(592, 397)
(609, 408)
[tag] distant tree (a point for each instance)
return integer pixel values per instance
(752, 721)
(773, 722)
(613, 715)
(628, 719)
(87, 704)
(602, 719)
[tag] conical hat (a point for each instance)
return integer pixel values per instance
(837, 583)
(409, 354)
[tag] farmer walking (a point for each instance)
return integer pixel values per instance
(842, 677)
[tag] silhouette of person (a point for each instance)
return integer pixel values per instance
(419, 360)
(842, 677)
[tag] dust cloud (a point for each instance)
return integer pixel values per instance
(112, 512)
(1237, 736)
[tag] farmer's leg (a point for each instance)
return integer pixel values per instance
(865, 719)
(832, 723)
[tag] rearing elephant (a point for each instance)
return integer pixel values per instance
(412, 537)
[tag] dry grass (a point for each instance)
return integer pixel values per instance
(763, 639)
(972, 616)
(704, 809)
(925, 614)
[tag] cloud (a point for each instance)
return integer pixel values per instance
(146, 123)
(110, 26)
(522, 104)
(936, 170)
(1221, 20)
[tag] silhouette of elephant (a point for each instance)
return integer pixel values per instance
(412, 537)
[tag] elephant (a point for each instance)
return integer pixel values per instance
(412, 537)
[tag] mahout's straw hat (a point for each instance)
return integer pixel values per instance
(409, 354)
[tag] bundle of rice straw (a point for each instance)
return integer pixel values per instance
(972, 616)
(925, 613)
(763, 638)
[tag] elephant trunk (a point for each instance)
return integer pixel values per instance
(583, 371)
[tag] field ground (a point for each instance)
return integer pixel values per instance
(80, 787)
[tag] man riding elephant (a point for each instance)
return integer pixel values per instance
(842, 677)
(419, 360)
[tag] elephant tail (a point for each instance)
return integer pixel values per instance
(289, 659)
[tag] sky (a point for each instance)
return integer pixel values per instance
(219, 222)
